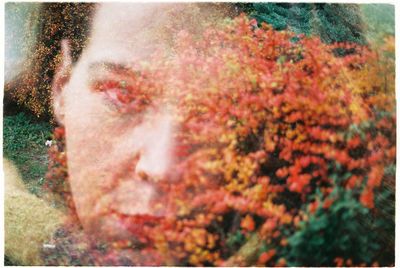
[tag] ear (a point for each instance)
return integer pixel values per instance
(61, 78)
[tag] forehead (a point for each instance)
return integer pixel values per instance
(122, 31)
(132, 31)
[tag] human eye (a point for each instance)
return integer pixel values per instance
(123, 95)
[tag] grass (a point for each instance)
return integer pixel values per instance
(24, 143)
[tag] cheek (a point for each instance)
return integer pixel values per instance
(100, 146)
(86, 135)
(89, 141)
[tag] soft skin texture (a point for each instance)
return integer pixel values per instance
(100, 141)
(29, 221)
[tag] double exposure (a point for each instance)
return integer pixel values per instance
(199, 134)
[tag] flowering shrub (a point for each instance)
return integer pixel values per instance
(284, 151)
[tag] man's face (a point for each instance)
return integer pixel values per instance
(181, 143)
(117, 156)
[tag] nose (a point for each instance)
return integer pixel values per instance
(155, 158)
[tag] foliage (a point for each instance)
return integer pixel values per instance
(58, 171)
(379, 19)
(332, 22)
(316, 242)
(31, 89)
(24, 143)
(277, 138)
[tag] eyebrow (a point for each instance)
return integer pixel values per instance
(117, 68)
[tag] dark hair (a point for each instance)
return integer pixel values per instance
(31, 89)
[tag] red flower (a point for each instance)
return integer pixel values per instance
(248, 223)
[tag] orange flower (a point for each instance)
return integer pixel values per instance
(248, 223)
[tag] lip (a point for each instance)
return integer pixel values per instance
(135, 224)
(116, 227)
(124, 211)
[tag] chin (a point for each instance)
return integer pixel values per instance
(117, 227)
(123, 212)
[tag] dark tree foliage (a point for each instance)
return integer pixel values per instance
(332, 22)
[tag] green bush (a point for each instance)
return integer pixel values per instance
(24, 144)
(333, 232)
